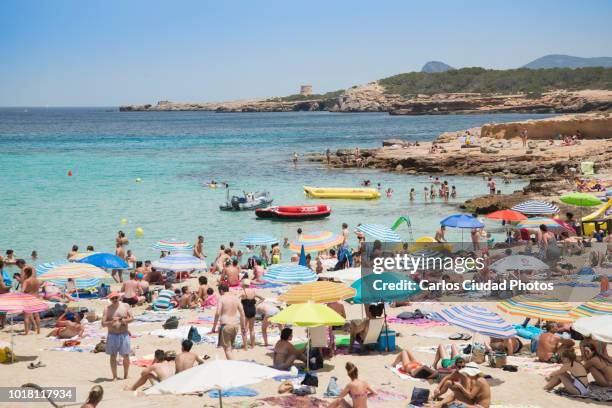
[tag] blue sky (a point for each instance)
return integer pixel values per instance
(107, 53)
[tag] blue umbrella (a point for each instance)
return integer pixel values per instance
(370, 288)
(380, 232)
(79, 283)
(303, 261)
(105, 261)
(290, 273)
(461, 221)
(258, 240)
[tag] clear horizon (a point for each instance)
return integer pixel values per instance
(75, 54)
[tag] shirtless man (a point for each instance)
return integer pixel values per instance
(121, 254)
(285, 353)
(440, 234)
(116, 318)
(198, 248)
(158, 371)
(31, 285)
(132, 293)
(478, 392)
(231, 274)
(345, 234)
(229, 314)
(10, 257)
(550, 345)
(130, 258)
(121, 238)
(186, 359)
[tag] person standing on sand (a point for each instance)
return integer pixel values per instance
(117, 274)
(229, 315)
(186, 359)
(249, 300)
(345, 235)
(31, 285)
(440, 234)
(524, 138)
(116, 318)
(198, 248)
(357, 389)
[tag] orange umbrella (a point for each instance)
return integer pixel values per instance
(318, 292)
(506, 215)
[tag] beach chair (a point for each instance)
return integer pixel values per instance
(318, 336)
(375, 327)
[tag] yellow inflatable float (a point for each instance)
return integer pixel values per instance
(588, 225)
(430, 244)
(339, 192)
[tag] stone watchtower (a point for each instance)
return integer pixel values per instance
(306, 90)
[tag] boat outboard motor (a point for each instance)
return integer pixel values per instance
(235, 202)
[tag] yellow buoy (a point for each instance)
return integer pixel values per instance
(139, 232)
(123, 221)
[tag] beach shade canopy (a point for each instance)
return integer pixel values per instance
(348, 274)
(258, 240)
(81, 283)
(535, 222)
(308, 315)
(18, 302)
(380, 232)
(316, 241)
(518, 263)
(368, 288)
(105, 261)
(537, 307)
(594, 307)
(289, 273)
(597, 327)
(461, 221)
(476, 319)
(506, 215)
(580, 199)
(73, 270)
(217, 374)
(179, 262)
(317, 292)
(172, 245)
(535, 207)
(80, 255)
(565, 226)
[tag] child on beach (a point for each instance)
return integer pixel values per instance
(211, 299)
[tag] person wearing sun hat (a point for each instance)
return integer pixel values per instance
(478, 392)
(116, 318)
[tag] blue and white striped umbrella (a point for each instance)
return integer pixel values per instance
(179, 262)
(476, 319)
(79, 283)
(172, 245)
(258, 240)
(380, 232)
(536, 207)
(289, 273)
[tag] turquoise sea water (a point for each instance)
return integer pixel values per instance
(175, 153)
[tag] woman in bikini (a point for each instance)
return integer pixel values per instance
(358, 390)
(412, 366)
(598, 365)
(249, 299)
(67, 326)
(573, 375)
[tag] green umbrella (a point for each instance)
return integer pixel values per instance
(580, 199)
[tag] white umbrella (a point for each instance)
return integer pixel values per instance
(597, 327)
(518, 263)
(348, 274)
(179, 262)
(218, 374)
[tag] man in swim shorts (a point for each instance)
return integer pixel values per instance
(229, 315)
(116, 318)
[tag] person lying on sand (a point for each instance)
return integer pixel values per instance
(572, 374)
(444, 359)
(158, 371)
(509, 346)
(412, 366)
(285, 353)
(67, 326)
(551, 345)
(358, 390)
(186, 359)
(477, 394)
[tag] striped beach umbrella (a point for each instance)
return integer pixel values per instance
(80, 255)
(171, 245)
(535, 222)
(81, 283)
(105, 261)
(317, 292)
(506, 215)
(73, 270)
(535, 207)
(537, 307)
(258, 240)
(316, 241)
(380, 232)
(476, 319)
(594, 307)
(179, 262)
(289, 273)
(18, 302)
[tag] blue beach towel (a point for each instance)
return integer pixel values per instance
(234, 392)
(528, 332)
(267, 285)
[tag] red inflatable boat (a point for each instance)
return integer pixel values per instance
(294, 212)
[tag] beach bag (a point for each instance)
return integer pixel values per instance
(171, 323)
(478, 354)
(315, 361)
(311, 380)
(419, 396)
(194, 335)
(5, 355)
(498, 360)
(333, 389)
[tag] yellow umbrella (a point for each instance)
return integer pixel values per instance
(74, 270)
(308, 315)
(537, 307)
(318, 292)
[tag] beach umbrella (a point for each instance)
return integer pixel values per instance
(172, 245)
(73, 270)
(535, 222)
(506, 215)
(214, 375)
(105, 261)
(317, 292)
(565, 226)
(461, 221)
(595, 307)
(597, 327)
(369, 288)
(580, 199)
(178, 262)
(308, 315)
(81, 283)
(535, 207)
(537, 307)
(380, 232)
(316, 241)
(17, 303)
(303, 261)
(258, 240)
(80, 255)
(476, 319)
(348, 274)
(518, 263)
(289, 273)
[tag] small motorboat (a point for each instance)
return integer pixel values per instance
(246, 201)
(338, 192)
(294, 212)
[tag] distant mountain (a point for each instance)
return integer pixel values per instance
(568, 61)
(436, 66)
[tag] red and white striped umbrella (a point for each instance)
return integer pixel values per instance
(17, 302)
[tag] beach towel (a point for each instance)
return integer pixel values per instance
(152, 318)
(424, 323)
(180, 333)
(292, 401)
(528, 332)
(431, 335)
(234, 392)
(383, 395)
(266, 285)
(75, 349)
(595, 393)
(530, 365)
(397, 370)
